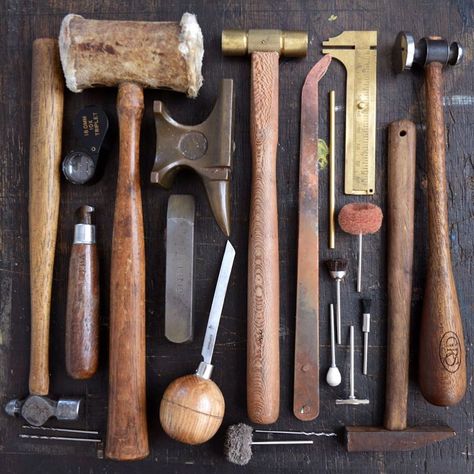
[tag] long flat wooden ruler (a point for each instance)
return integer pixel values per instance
(356, 50)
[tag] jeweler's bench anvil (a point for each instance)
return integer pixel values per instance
(205, 148)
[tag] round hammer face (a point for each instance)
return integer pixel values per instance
(403, 52)
(36, 410)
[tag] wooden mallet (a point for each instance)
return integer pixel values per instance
(395, 435)
(131, 55)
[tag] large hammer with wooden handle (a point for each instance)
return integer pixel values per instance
(263, 305)
(442, 355)
(131, 55)
(47, 98)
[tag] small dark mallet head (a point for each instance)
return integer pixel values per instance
(428, 50)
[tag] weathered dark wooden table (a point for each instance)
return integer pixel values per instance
(398, 97)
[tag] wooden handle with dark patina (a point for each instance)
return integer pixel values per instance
(401, 219)
(263, 350)
(127, 436)
(47, 99)
(82, 310)
(442, 355)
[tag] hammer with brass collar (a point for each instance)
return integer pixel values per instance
(263, 359)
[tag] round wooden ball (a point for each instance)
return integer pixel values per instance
(192, 409)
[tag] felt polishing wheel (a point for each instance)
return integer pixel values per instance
(360, 218)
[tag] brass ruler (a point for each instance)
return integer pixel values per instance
(356, 50)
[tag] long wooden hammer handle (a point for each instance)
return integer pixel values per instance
(127, 436)
(47, 98)
(442, 357)
(401, 218)
(263, 357)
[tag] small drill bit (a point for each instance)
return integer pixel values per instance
(365, 302)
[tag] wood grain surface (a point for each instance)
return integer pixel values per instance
(442, 364)
(127, 435)
(401, 169)
(192, 409)
(82, 312)
(399, 96)
(263, 300)
(47, 97)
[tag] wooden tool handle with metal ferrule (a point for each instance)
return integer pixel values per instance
(82, 310)
(127, 436)
(263, 356)
(442, 356)
(401, 218)
(47, 98)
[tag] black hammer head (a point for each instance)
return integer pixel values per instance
(427, 50)
(37, 410)
(205, 148)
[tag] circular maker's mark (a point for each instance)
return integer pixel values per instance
(450, 351)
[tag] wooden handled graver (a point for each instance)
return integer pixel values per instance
(442, 356)
(82, 310)
(130, 55)
(47, 97)
(263, 304)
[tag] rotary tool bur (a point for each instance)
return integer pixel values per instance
(365, 302)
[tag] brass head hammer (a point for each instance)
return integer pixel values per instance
(263, 302)
(205, 148)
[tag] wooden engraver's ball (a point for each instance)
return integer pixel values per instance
(192, 409)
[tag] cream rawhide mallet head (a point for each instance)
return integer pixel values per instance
(359, 219)
(102, 53)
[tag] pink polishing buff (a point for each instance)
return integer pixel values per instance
(360, 218)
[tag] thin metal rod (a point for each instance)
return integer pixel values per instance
(366, 346)
(304, 441)
(332, 169)
(333, 338)
(338, 310)
(61, 438)
(304, 433)
(352, 392)
(359, 266)
(62, 430)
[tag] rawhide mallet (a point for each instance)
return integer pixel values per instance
(359, 218)
(129, 55)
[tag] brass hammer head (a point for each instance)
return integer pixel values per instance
(286, 43)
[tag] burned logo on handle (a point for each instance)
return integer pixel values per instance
(450, 351)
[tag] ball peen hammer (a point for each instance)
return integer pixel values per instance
(131, 55)
(442, 355)
(47, 99)
(263, 305)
